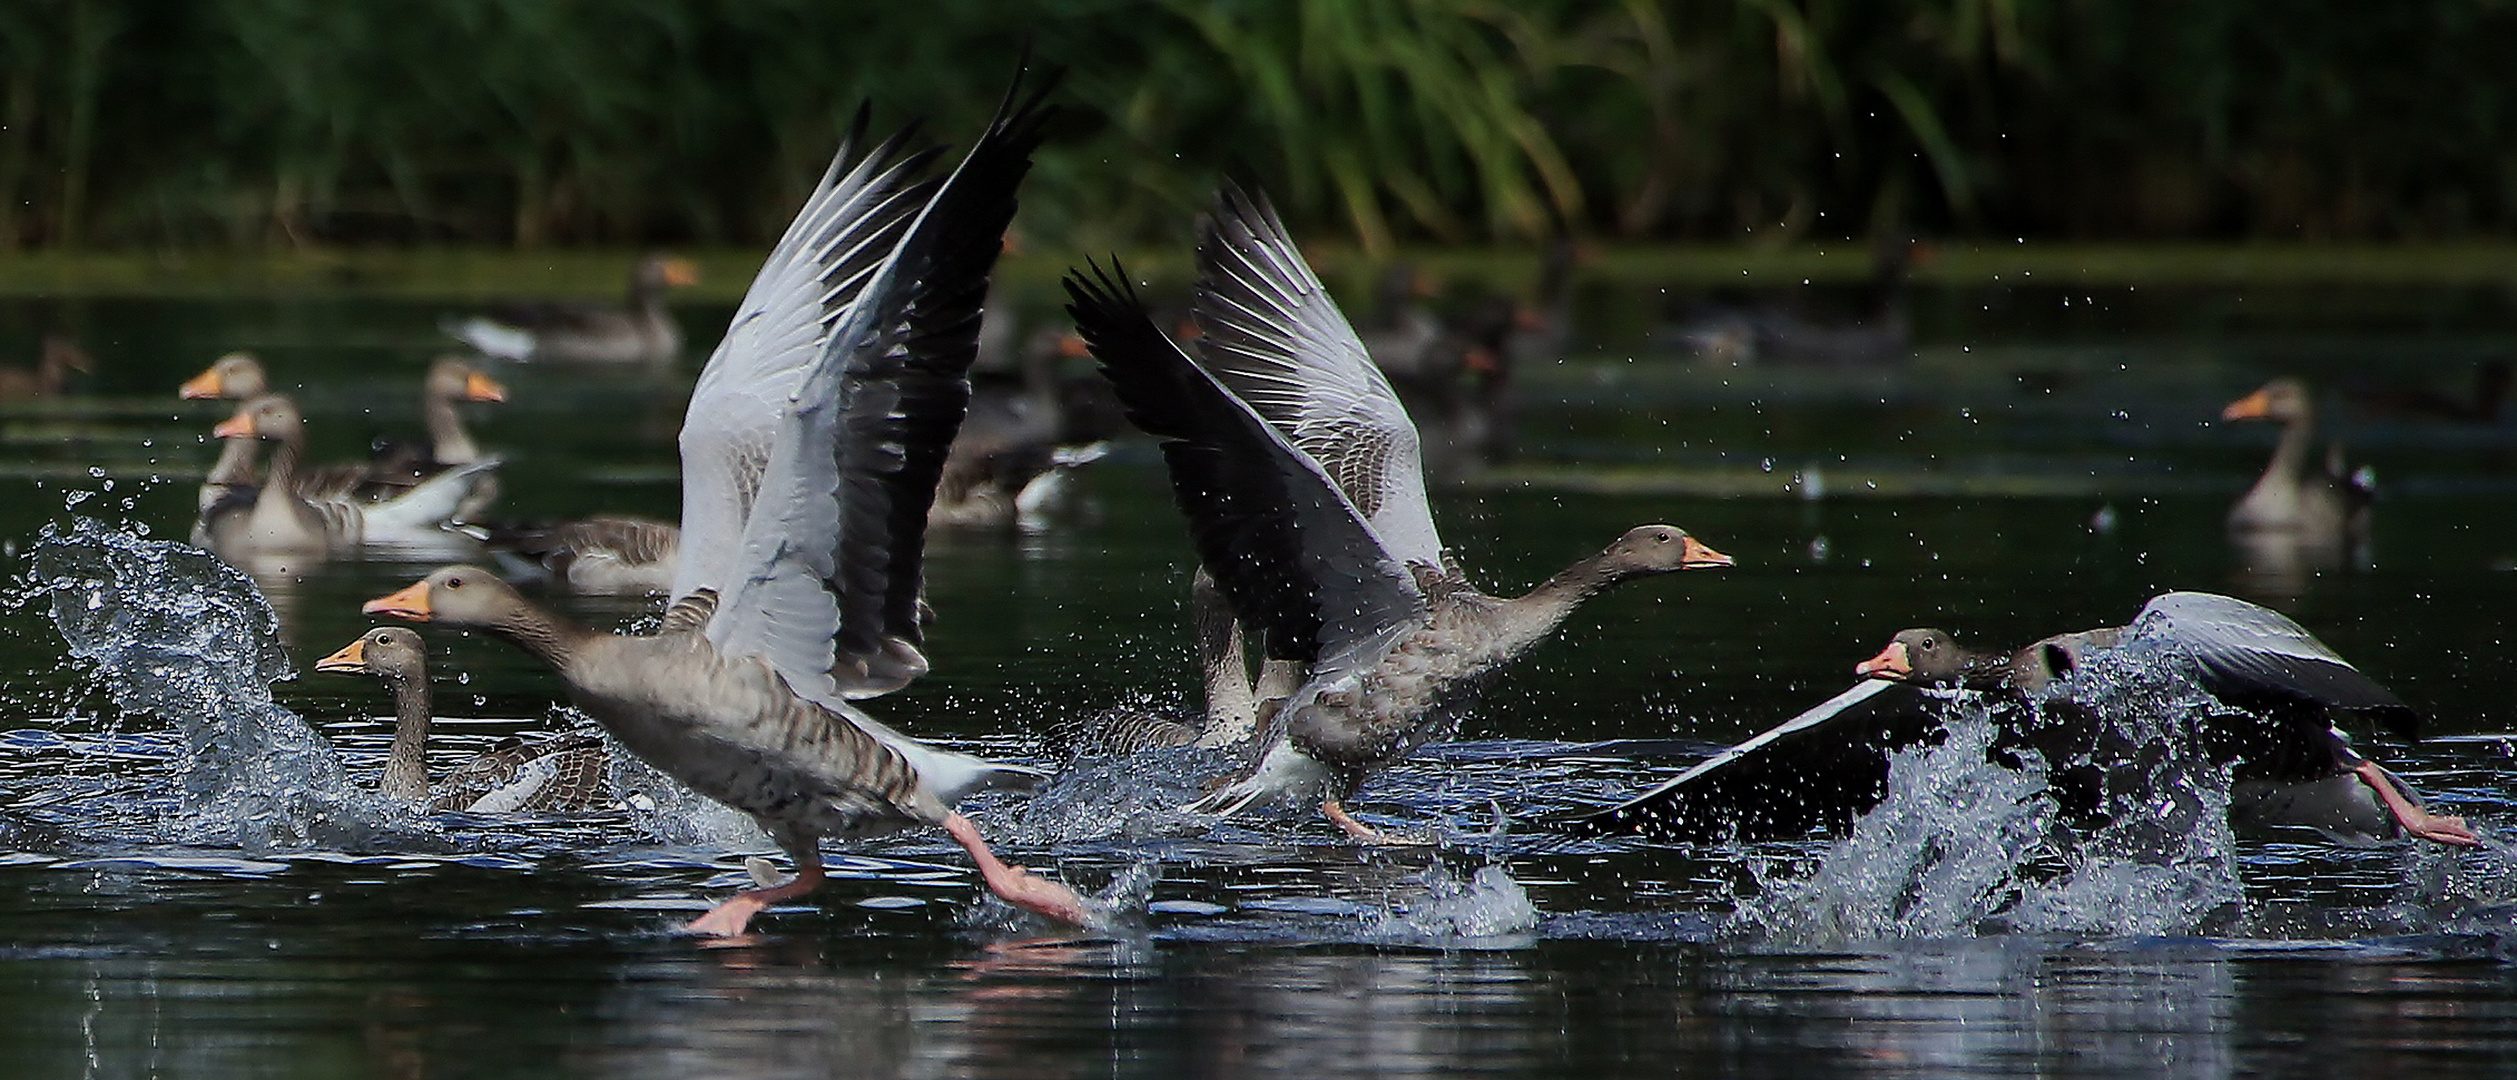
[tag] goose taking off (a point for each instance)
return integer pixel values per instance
(559, 774)
(641, 331)
(809, 454)
(2274, 681)
(1298, 472)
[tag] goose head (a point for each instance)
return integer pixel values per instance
(453, 378)
(390, 653)
(271, 417)
(1659, 549)
(2283, 400)
(456, 596)
(1922, 655)
(656, 273)
(237, 376)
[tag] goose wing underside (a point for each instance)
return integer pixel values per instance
(1818, 770)
(1270, 332)
(831, 564)
(1290, 552)
(847, 227)
(2252, 655)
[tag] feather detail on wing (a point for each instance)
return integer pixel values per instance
(826, 584)
(2251, 654)
(1292, 554)
(1270, 332)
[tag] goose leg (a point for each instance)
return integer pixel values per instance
(1336, 812)
(731, 917)
(1013, 884)
(2415, 820)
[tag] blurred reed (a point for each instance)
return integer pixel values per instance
(290, 123)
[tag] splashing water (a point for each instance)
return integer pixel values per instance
(1965, 843)
(174, 633)
(1488, 905)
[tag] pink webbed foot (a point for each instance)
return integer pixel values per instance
(731, 918)
(2416, 820)
(1015, 885)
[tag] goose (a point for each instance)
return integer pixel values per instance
(2299, 493)
(640, 332)
(809, 451)
(394, 467)
(2275, 681)
(1877, 332)
(609, 553)
(51, 372)
(279, 515)
(1020, 438)
(1298, 472)
(559, 774)
(236, 376)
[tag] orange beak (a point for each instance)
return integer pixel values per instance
(1072, 346)
(239, 426)
(411, 603)
(1889, 664)
(680, 273)
(2254, 406)
(479, 387)
(1695, 556)
(204, 385)
(351, 658)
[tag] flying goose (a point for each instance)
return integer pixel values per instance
(279, 515)
(809, 453)
(2275, 681)
(560, 774)
(640, 332)
(1298, 472)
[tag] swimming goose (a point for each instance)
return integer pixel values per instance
(641, 332)
(1298, 472)
(51, 372)
(279, 515)
(559, 774)
(393, 467)
(236, 376)
(2299, 492)
(809, 452)
(2290, 766)
(608, 553)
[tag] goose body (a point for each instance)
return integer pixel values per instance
(559, 774)
(279, 515)
(393, 470)
(2301, 493)
(2274, 679)
(1299, 474)
(603, 554)
(641, 331)
(810, 452)
(51, 372)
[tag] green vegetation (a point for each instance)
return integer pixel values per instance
(297, 124)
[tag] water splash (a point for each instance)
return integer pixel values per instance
(174, 633)
(1972, 836)
(1489, 907)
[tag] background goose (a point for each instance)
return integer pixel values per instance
(1298, 472)
(237, 376)
(279, 514)
(2300, 492)
(51, 372)
(604, 554)
(640, 332)
(810, 451)
(393, 466)
(560, 774)
(1829, 765)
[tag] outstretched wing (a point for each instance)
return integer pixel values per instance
(1268, 330)
(1293, 556)
(2253, 655)
(851, 223)
(827, 581)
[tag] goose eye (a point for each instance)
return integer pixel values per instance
(454, 583)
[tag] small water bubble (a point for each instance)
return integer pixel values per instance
(463, 678)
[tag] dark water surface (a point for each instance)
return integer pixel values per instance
(2047, 463)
